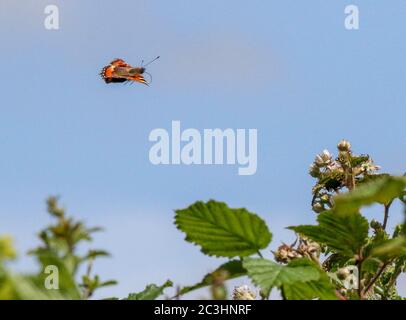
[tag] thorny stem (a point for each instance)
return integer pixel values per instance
(394, 278)
(349, 174)
(350, 179)
(376, 277)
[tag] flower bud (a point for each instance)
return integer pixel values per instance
(376, 225)
(344, 146)
(243, 293)
(314, 171)
(318, 207)
(343, 273)
(286, 253)
(309, 247)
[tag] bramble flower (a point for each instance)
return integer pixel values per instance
(286, 253)
(243, 293)
(323, 159)
(309, 248)
(318, 207)
(369, 166)
(334, 166)
(335, 174)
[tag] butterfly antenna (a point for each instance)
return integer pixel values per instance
(150, 61)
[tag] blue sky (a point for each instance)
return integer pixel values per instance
(287, 68)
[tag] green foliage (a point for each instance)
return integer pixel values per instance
(344, 256)
(151, 292)
(320, 289)
(383, 190)
(222, 231)
(343, 233)
(7, 251)
(390, 249)
(299, 278)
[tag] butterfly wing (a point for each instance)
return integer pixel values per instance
(119, 63)
(115, 80)
(119, 71)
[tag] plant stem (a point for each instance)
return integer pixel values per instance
(376, 277)
(359, 266)
(88, 292)
(360, 291)
(386, 215)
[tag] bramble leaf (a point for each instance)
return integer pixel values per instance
(382, 190)
(391, 248)
(222, 231)
(268, 274)
(343, 233)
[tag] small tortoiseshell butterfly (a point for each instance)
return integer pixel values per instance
(118, 71)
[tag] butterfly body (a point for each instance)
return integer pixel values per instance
(118, 71)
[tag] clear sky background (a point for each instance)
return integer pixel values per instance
(287, 68)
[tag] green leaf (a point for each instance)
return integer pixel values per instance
(343, 233)
(382, 190)
(32, 288)
(321, 289)
(390, 248)
(222, 231)
(151, 292)
(67, 283)
(267, 274)
(229, 270)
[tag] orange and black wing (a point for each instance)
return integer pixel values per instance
(119, 63)
(119, 71)
(107, 74)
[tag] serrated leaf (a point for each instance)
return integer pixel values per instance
(321, 289)
(229, 270)
(221, 231)
(267, 274)
(343, 233)
(390, 248)
(151, 292)
(382, 190)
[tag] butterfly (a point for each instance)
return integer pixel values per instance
(119, 71)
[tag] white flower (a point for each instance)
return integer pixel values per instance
(243, 293)
(369, 166)
(323, 159)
